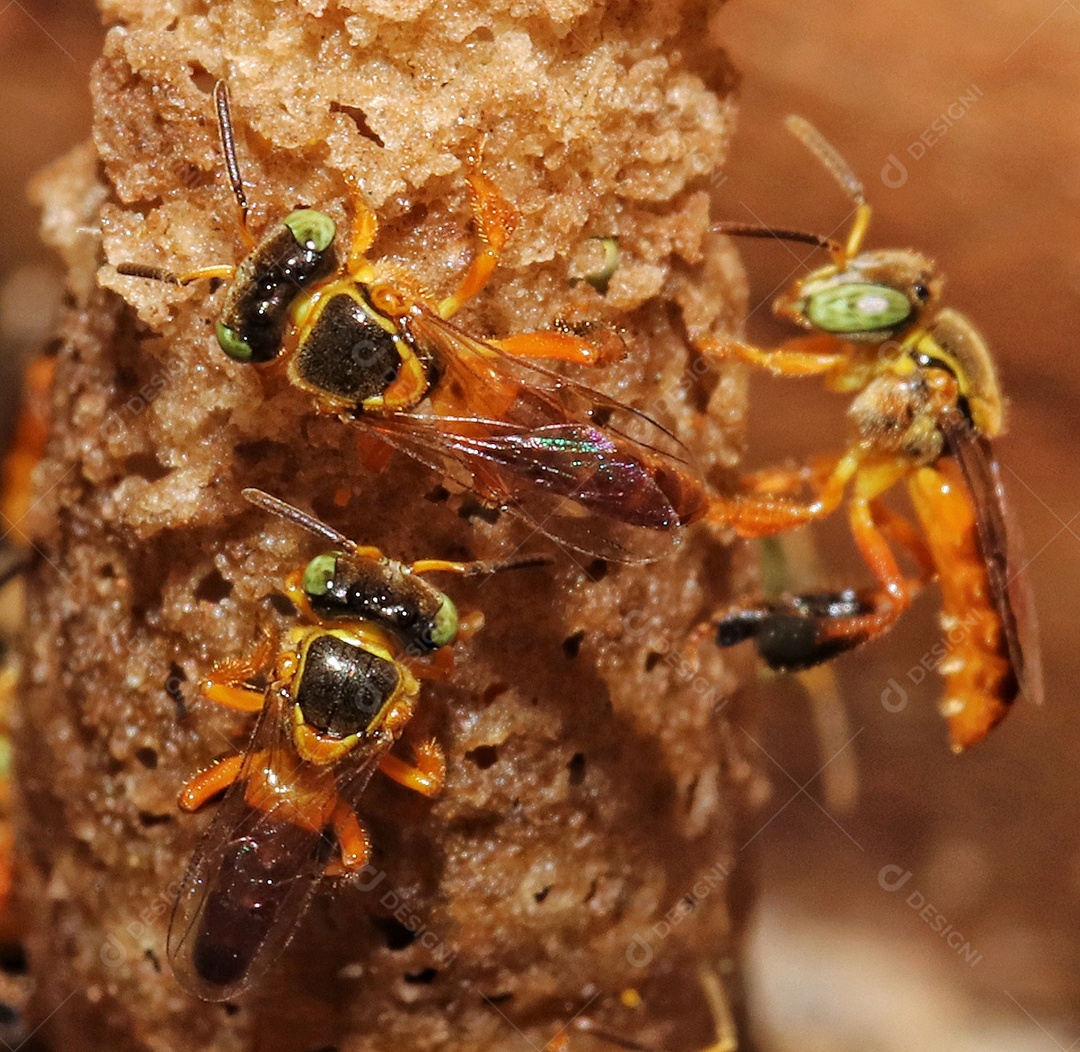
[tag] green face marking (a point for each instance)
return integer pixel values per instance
(601, 278)
(233, 344)
(446, 623)
(310, 228)
(319, 573)
(857, 307)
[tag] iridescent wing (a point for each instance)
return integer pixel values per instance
(255, 870)
(1009, 587)
(580, 467)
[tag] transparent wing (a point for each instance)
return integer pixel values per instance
(998, 538)
(582, 468)
(256, 866)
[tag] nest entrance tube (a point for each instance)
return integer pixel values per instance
(577, 863)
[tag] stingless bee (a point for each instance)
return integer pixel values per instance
(370, 345)
(926, 406)
(339, 694)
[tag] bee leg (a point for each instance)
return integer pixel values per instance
(243, 699)
(224, 685)
(234, 671)
(293, 587)
(469, 624)
(805, 630)
(763, 514)
(801, 356)
(496, 219)
(560, 346)
(28, 445)
(874, 547)
(353, 842)
(777, 480)
(364, 229)
(798, 632)
(901, 533)
(801, 631)
(425, 775)
(205, 785)
(437, 667)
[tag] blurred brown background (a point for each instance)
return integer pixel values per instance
(46, 50)
(989, 838)
(987, 841)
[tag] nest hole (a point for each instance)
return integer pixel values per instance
(484, 756)
(576, 767)
(213, 588)
(202, 78)
(148, 820)
(360, 119)
(145, 466)
(395, 934)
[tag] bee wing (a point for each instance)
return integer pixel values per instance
(998, 538)
(484, 371)
(564, 457)
(255, 870)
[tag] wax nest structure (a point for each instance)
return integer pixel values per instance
(583, 843)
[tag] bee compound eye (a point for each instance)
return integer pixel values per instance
(319, 575)
(313, 230)
(855, 307)
(233, 344)
(445, 626)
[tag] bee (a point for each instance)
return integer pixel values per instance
(339, 694)
(926, 406)
(26, 448)
(368, 344)
(354, 582)
(11, 925)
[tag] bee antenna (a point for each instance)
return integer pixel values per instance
(138, 270)
(228, 148)
(780, 233)
(290, 513)
(518, 562)
(828, 155)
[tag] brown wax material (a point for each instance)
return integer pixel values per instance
(586, 836)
